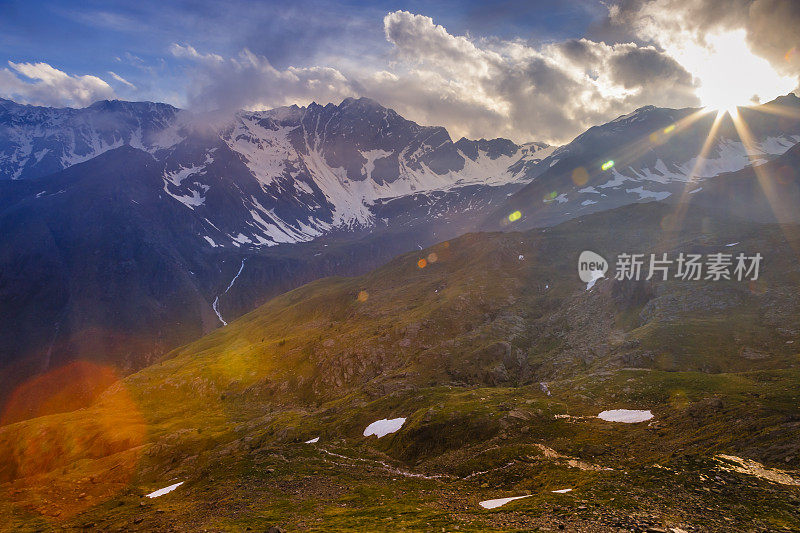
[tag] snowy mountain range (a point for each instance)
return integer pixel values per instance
(37, 141)
(133, 227)
(264, 178)
(650, 154)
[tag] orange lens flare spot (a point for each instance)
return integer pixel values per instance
(513, 217)
(67, 462)
(432, 257)
(580, 176)
(422, 263)
(363, 296)
(67, 388)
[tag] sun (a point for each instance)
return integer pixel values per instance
(727, 73)
(730, 108)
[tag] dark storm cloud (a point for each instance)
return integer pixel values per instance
(636, 67)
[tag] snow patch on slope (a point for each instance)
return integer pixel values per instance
(371, 156)
(626, 416)
(165, 490)
(499, 502)
(266, 150)
(381, 428)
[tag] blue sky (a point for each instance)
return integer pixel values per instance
(528, 70)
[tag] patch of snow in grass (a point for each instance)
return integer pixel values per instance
(383, 427)
(626, 416)
(312, 441)
(165, 490)
(732, 244)
(561, 491)
(492, 504)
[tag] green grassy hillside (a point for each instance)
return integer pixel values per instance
(499, 360)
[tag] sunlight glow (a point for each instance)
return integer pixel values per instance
(782, 206)
(673, 222)
(730, 75)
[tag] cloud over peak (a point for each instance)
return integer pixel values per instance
(43, 84)
(473, 87)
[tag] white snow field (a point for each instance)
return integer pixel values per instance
(383, 427)
(165, 490)
(492, 504)
(626, 416)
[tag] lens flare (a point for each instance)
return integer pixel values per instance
(607, 165)
(422, 263)
(580, 176)
(363, 296)
(67, 462)
(513, 217)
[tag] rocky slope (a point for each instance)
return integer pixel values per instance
(498, 359)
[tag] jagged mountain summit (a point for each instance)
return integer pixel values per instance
(264, 178)
(37, 141)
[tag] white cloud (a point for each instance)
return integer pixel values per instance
(42, 84)
(250, 81)
(475, 88)
(507, 87)
(189, 52)
(716, 44)
(121, 80)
